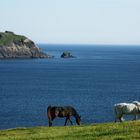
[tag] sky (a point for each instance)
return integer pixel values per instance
(73, 21)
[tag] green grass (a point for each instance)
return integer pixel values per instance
(108, 131)
(7, 38)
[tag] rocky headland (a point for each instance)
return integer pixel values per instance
(18, 46)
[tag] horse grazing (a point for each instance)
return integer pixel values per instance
(66, 111)
(126, 109)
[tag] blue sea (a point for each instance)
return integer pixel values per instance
(93, 82)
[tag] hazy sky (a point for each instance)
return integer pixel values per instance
(73, 21)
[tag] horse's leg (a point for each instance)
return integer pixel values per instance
(135, 117)
(50, 120)
(50, 123)
(121, 118)
(116, 119)
(70, 121)
(66, 121)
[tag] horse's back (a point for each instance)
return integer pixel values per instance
(70, 108)
(61, 111)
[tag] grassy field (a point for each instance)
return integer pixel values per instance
(108, 131)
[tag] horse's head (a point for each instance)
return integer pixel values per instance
(78, 119)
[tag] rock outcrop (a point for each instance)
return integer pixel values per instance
(17, 46)
(67, 55)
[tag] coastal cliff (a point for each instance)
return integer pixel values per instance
(18, 46)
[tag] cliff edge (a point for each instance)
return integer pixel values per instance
(18, 46)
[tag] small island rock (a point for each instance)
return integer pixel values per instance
(67, 55)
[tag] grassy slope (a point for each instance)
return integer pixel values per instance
(109, 131)
(8, 38)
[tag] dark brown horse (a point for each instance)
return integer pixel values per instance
(66, 111)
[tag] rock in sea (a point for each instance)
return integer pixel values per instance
(67, 55)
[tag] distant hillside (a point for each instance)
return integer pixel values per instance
(18, 46)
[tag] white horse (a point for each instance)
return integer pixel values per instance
(126, 109)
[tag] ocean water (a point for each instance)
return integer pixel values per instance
(93, 82)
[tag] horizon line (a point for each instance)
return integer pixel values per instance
(79, 44)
